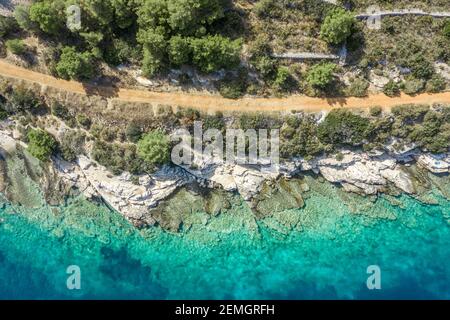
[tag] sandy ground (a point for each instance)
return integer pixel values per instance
(211, 103)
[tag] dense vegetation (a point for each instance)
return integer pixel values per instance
(154, 148)
(157, 34)
(162, 35)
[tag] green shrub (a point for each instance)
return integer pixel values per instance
(16, 46)
(179, 50)
(446, 29)
(358, 88)
(421, 68)
(75, 65)
(3, 114)
(343, 127)
(22, 16)
(212, 53)
(337, 26)
(413, 86)
(154, 148)
(265, 8)
(410, 112)
(84, 121)
(321, 75)
(266, 66)
(49, 15)
(284, 80)
(299, 138)
(72, 145)
(41, 144)
(108, 134)
(118, 158)
(436, 84)
(23, 100)
(215, 121)
(375, 111)
(59, 110)
(234, 86)
(133, 132)
(339, 156)
(8, 25)
(391, 89)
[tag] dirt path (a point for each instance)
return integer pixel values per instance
(211, 103)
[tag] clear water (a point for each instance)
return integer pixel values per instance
(324, 254)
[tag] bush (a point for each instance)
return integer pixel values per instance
(8, 25)
(343, 127)
(375, 111)
(284, 80)
(212, 53)
(3, 114)
(321, 75)
(23, 100)
(265, 8)
(391, 89)
(49, 15)
(75, 65)
(120, 51)
(59, 110)
(155, 50)
(118, 158)
(337, 26)
(133, 132)
(446, 29)
(41, 144)
(16, 46)
(22, 16)
(436, 84)
(358, 88)
(232, 88)
(421, 68)
(154, 148)
(215, 121)
(413, 86)
(84, 121)
(299, 138)
(179, 50)
(265, 65)
(72, 145)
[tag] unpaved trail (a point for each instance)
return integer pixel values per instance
(211, 103)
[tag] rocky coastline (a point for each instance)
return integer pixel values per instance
(366, 173)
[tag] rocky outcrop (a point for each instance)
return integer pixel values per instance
(133, 198)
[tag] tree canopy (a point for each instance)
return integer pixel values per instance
(41, 144)
(337, 26)
(74, 65)
(154, 148)
(343, 127)
(49, 15)
(321, 74)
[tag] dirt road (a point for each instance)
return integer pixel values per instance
(211, 103)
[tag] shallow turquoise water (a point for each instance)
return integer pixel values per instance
(323, 256)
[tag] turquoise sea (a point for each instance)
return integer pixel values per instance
(320, 251)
